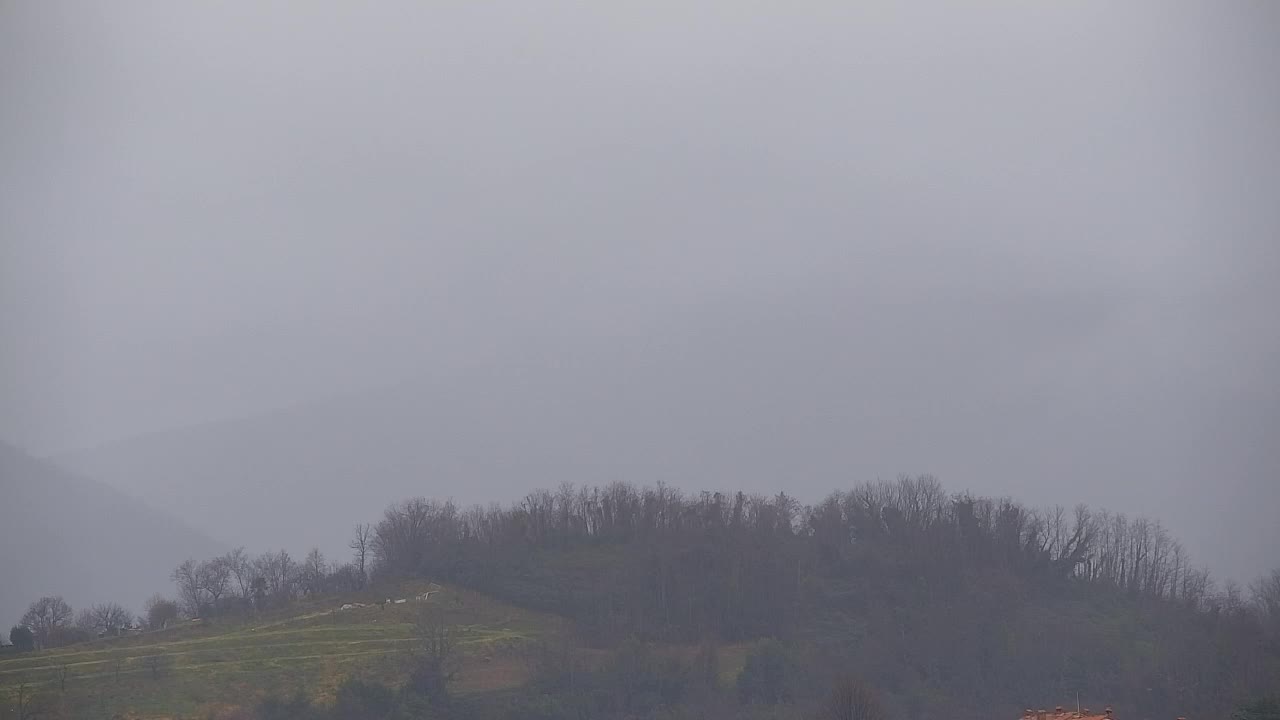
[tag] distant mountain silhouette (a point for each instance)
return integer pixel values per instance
(803, 395)
(62, 534)
(695, 409)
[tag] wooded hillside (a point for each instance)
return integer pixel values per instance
(944, 602)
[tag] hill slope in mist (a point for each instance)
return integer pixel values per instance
(68, 535)
(707, 404)
(799, 393)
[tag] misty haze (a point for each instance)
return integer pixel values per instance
(639, 360)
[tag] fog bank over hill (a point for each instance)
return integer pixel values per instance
(70, 536)
(271, 267)
(761, 404)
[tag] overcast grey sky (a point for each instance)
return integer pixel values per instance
(1041, 233)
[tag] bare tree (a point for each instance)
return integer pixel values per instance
(84, 621)
(28, 707)
(160, 612)
(62, 673)
(400, 540)
(214, 577)
(851, 699)
(203, 585)
(108, 618)
(345, 578)
(241, 569)
(435, 652)
(157, 664)
(314, 572)
(46, 616)
(279, 574)
(190, 593)
(1265, 592)
(1230, 601)
(360, 544)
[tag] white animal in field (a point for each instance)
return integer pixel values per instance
(401, 601)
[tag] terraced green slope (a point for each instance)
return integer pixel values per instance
(200, 666)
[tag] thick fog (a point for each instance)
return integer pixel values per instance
(1029, 249)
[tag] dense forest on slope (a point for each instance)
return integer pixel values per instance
(946, 603)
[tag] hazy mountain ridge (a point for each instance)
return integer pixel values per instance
(69, 535)
(800, 392)
(619, 408)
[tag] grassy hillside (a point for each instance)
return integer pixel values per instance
(197, 668)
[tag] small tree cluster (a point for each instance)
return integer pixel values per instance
(236, 582)
(160, 612)
(48, 618)
(22, 638)
(104, 619)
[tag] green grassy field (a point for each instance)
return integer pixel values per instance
(200, 667)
